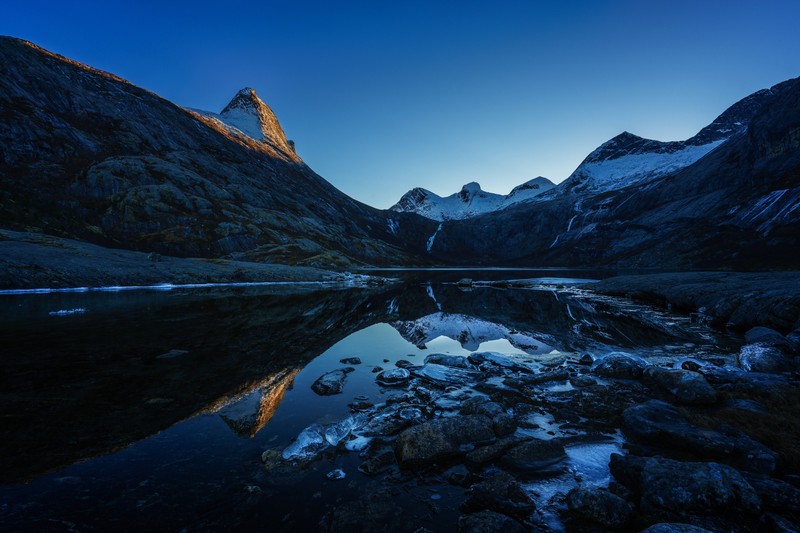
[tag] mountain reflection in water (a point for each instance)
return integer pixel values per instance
(187, 388)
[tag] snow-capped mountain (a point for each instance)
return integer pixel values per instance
(628, 159)
(469, 202)
(246, 114)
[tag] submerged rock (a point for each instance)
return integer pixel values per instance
(501, 493)
(761, 357)
(394, 377)
(442, 438)
(600, 506)
(331, 382)
(350, 361)
(681, 386)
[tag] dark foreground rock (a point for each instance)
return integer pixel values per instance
(659, 424)
(501, 493)
(674, 527)
(488, 522)
(763, 357)
(600, 507)
(442, 438)
(681, 386)
(620, 366)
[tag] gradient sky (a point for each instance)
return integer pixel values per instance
(381, 97)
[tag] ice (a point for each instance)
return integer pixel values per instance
(335, 433)
(589, 462)
(445, 374)
(68, 312)
(309, 443)
(336, 474)
(357, 443)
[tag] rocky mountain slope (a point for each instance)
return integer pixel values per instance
(87, 155)
(469, 202)
(738, 206)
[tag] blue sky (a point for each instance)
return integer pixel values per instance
(381, 97)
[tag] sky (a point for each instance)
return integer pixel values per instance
(381, 97)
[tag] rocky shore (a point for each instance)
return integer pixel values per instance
(575, 442)
(734, 300)
(35, 260)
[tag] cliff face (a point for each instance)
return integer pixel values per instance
(87, 155)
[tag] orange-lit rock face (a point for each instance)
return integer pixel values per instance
(247, 416)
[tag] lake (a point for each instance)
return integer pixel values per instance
(153, 409)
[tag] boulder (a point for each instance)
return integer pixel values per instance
(440, 439)
(504, 424)
(535, 457)
(761, 357)
(600, 506)
(501, 493)
(582, 381)
(680, 386)
(394, 377)
(488, 522)
(350, 361)
(331, 382)
(661, 425)
(481, 405)
(619, 365)
(675, 488)
(768, 337)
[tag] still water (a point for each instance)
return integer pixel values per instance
(152, 409)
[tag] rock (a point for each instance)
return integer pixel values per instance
(457, 475)
(537, 379)
(674, 527)
(582, 381)
(336, 474)
(768, 337)
(586, 359)
(464, 282)
(447, 360)
(488, 522)
(504, 424)
(377, 462)
(627, 470)
(360, 405)
(404, 363)
(600, 506)
(760, 357)
(376, 369)
(496, 359)
(776, 495)
(501, 493)
(535, 456)
(480, 405)
(659, 424)
(350, 361)
(681, 386)
(619, 365)
(675, 488)
(394, 377)
(779, 524)
(331, 382)
(490, 452)
(442, 438)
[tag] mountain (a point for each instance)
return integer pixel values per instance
(628, 159)
(736, 207)
(246, 114)
(89, 156)
(469, 202)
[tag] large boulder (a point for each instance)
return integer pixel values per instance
(331, 382)
(769, 337)
(440, 439)
(681, 386)
(660, 425)
(672, 489)
(600, 506)
(761, 357)
(393, 377)
(499, 492)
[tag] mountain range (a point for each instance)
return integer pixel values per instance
(89, 156)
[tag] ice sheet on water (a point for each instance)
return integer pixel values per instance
(338, 431)
(310, 442)
(445, 374)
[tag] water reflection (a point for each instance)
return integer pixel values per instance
(204, 381)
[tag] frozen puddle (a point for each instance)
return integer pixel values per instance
(587, 466)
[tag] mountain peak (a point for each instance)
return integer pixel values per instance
(253, 117)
